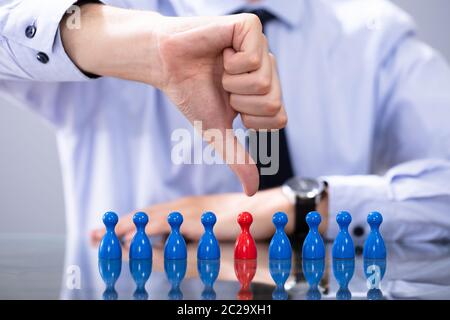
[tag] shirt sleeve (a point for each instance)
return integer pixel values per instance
(30, 42)
(412, 140)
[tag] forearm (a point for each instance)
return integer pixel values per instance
(413, 197)
(115, 42)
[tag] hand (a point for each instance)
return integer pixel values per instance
(212, 68)
(217, 67)
(226, 207)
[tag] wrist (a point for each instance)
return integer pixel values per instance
(149, 66)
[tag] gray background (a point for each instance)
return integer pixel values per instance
(30, 179)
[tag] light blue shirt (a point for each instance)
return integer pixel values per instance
(368, 106)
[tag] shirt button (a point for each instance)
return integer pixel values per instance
(30, 31)
(358, 231)
(42, 57)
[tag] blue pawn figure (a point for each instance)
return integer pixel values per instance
(208, 246)
(375, 294)
(280, 246)
(280, 271)
(175, 272)
(208, 271)
(110, 244)
(140, 270)
(140, 247)
(110, 272)
(374, 270)
(175, 247)
(313, 246)
(313, 272)
(374, 247)
(343, 270)
(343, 247)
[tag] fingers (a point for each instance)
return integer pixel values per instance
(97, 235)
(264, 106)
(261, 123)
(258, 82)
(158, 225)
(267, 104)
(248, 44)
(124, 226)
(260, 105)
(251, 79)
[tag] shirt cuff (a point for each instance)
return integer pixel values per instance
(31, 29)
(358, 195)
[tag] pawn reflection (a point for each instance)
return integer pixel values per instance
(140, 270)
(313, 271)
(374, 270)
(245, 271)
(208, 271)
(343, 270)
(110, 272)
(280, 271)
(175, 272)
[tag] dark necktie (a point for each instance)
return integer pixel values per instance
(285, 168)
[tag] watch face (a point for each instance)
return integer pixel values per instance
(306, 188)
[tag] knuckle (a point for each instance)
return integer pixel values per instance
(254, 19)
(264, 85)
(254, 61)
(273, 107)
(281, 121)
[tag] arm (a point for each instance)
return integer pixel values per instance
(212, 68)
(413, 141)
(226, 207)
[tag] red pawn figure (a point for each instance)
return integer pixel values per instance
(245, 247)
(245, 272)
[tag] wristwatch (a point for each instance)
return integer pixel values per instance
(305, 194)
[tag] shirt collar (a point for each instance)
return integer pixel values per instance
(289, 11)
